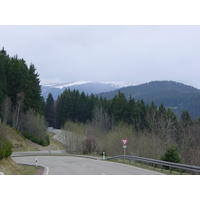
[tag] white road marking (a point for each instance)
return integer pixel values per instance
(91, 168)
(83, 165)
(47, 170)
(103, 174)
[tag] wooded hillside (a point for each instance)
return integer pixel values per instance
(20, 98)
(177, 96)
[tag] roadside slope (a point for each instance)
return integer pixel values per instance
(19, 143)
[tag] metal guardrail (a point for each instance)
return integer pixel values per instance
(161, 163)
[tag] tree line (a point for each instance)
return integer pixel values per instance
(79, 107)
(103, 123)
(177, 96)
(20, 98)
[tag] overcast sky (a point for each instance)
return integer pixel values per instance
(131, 53)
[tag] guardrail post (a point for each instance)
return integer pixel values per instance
(161, 167)
(180, 171)
(153, 165)
(170, 169)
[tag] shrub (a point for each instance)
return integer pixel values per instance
(34, 128)
(171, 155)
(42, 141)
(5, 148)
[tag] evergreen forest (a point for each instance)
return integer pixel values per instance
(99, 125)
(177, 96)
(20, 98)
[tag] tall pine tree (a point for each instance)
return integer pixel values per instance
(33, 97)
(50, 111)
(4, 59)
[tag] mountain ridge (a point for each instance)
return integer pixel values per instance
(89, 87)
(177, 96)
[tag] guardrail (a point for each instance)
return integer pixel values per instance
(162, 164)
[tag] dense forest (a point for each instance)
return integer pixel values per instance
(100, 124)
(20, 98)
(79, 107)
(177, 96)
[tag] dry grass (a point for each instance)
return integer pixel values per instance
(22, 144)
(55, 144)
(18, 141)
(9, 167)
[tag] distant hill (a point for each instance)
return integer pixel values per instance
(88, 87)
(177, 96)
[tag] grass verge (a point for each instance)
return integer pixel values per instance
(10, 167)
(31, 170)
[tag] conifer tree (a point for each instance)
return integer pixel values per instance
(185, 119)
(140, 121)
(50, 111)
(33, 97)
(3, 63)
(17, 78)
(131, 111)
(82, 108)
(119, 107)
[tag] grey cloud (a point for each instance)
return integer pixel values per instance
(102, 53)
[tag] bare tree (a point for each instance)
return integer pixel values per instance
(73, 135)
(6, 109)
(19, 104)
(189, 139)
(102, 119)
(35, 126)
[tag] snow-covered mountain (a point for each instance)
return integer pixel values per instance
(88, 87)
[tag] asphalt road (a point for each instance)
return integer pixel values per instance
(69, 165)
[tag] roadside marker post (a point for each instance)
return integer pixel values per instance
(36, 162)
(103, 155)
(49, 149)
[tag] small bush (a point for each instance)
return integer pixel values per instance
(5, 148)
(171, 155)
(44, 141)
(34, 128)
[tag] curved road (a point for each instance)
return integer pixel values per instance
(69, 165)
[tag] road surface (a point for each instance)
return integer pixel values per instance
(69, 165)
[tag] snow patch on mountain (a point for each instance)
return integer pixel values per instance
(68, 84)
(89, 87)
(119, 84)
(115, 84)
